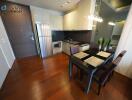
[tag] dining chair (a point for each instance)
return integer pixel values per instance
(94, 46)
(116, 61)
(101, 76)
(74, 49)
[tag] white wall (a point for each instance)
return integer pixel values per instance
(6, 54)
(5, 45)
(77, 19)
(46, 16)
(125, 43)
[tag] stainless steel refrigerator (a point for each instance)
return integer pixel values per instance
(45, 39)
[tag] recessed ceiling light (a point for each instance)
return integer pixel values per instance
(111, 23)
(66, 3)
(62, 6)
(95, 18)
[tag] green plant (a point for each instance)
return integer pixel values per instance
(101, 41)
(107, 42)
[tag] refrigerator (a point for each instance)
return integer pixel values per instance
(44, 39)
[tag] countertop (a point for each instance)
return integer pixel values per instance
(76, 42)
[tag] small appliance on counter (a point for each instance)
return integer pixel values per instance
(84, 47)
(57, 47)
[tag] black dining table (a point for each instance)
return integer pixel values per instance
(87, 68)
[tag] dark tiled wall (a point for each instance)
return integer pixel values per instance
(79, 35)
(58, 35)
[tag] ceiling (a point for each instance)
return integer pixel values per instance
(60, 5)
(113, 7)
(116, 4)
(119, 3)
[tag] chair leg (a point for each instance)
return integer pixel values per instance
(112, 73)
(99, 89)
(81, 75)
(109, 78)
(77, 72)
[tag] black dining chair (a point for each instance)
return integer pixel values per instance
(74, 49)
(102, 75)
(117, 58)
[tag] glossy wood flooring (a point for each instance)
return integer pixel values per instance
(35, 79)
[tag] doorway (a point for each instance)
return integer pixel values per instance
(18, 24)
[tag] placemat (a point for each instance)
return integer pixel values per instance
(94, 61)
(103, 54)
(80, 55)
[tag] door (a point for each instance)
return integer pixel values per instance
(3, 68)
(18, 25)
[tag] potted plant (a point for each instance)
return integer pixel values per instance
(101, 42)
(107, 44)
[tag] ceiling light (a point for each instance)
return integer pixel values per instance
(95, 18)
(65, 3)
(111, 23)
(62, 5)
(68, 1)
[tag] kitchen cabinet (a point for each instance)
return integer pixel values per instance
(45, 16)
(56, 22)
(77, 19)
(66, 47)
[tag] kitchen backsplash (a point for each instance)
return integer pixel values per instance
(79, 35)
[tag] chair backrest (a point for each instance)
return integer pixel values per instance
(119, 57)
(122, 53)
(111, 67)
(94, 46)
(74, 49)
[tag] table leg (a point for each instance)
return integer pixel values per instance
(70, 69)
(89, 82)
(81, 75)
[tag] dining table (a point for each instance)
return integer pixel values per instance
(89, 61)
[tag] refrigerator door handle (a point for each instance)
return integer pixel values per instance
(32, 38)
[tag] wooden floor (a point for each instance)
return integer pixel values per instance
(35, 79)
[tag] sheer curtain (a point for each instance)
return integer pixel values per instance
(125, 43)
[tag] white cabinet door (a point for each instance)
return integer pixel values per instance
(3, 68)
(64, 47)
(68, 48)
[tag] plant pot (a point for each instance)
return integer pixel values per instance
(105, 48)
(100, 47)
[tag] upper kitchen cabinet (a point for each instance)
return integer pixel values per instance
(56, 22)
(45, 16)
(77, 19)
